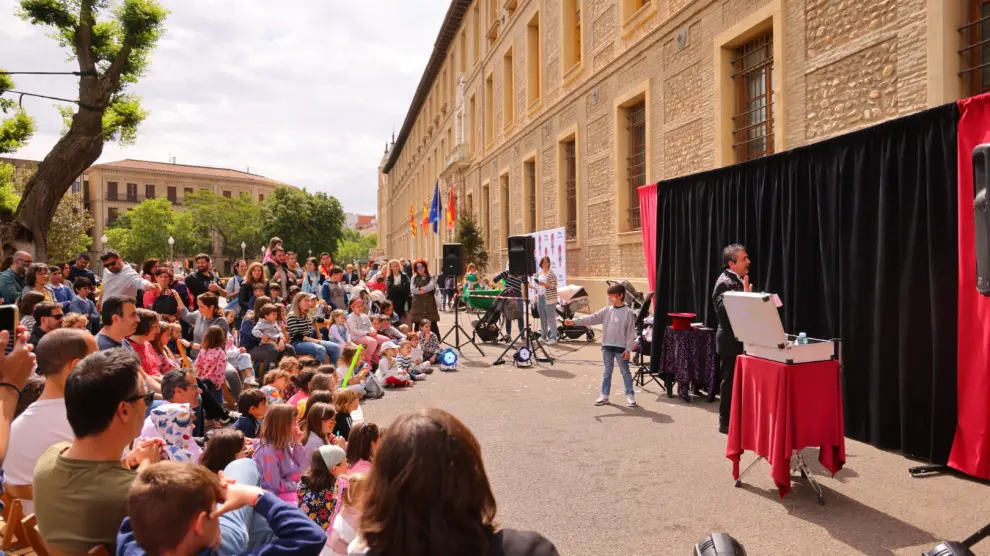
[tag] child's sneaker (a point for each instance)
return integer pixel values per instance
(602, 400)
(631, 401)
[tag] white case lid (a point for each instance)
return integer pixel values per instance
(755, 319)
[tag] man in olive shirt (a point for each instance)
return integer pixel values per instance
(80, 488)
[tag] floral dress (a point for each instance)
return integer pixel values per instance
(319, 505)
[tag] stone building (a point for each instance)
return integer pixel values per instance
(550, 113)
(110, 189)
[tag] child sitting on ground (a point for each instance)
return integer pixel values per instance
(275, 383)
(252, 405)
(266, 326)
(173, 509)
(363, 381)
(389, 372)
(225, 446)
(345, 524)
(417, 354)
(428, 341)
(280, 453)
(317, 489)
(385, 328)
(211, 363)
(292, 366)
(404, 361)
(338, 330)
(345, 402)
(618, 339)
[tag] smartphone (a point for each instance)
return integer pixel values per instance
(8, 322)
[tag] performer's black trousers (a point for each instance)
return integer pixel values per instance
(727, 367)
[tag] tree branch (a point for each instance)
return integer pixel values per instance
(84, 37)
(110, 82)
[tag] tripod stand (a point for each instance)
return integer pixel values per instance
(526, 334)
(457, 330)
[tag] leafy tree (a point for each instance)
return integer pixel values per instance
(235, 220)
(142, 232)
(17, 129)
(8, 196)
(69, 234)
(355, 246)
(469, 236)
(302, 220)
(112, 43)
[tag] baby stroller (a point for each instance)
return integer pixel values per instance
(487, 328)
(634, 300)
(569, 300)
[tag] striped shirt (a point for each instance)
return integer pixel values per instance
(513, 283)
(299, 328)
(551, 287)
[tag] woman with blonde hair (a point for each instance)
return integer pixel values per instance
(255, 275)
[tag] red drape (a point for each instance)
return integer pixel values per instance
(648, 223)
(971, 447)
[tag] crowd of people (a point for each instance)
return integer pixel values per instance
(153, 411)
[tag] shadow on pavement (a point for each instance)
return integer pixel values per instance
(636, 412)
(555, 373)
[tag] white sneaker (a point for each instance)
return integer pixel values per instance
(602, 400)
(631, 401)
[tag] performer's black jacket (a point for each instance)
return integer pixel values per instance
(725, 340)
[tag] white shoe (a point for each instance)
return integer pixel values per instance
(602, 400)
(631, 401)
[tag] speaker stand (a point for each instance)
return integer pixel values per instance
(457, 330)
(526, 334)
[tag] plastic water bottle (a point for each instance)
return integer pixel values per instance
(802, 338)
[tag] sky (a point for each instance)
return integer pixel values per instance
(307, 96)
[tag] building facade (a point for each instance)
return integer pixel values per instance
(551, 113)
(111, 189)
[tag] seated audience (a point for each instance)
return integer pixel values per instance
(224, 447)
(317, 430)
(173, 423)
(173, 509)
(361, 447)
(279, 453)
(345, 402)
(349, 505)
(119, 321)
(252, 405)
(80, 488)
(47, 317)
(275, 383)
(75, 320)
(44, 424)
(429, 478)
(317, 489)
(61, 291)
(25, 308)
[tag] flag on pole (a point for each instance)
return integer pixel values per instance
(412, 219)
(426, 215)
(435, 209)
(450, 209)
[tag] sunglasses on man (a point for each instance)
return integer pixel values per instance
(148, 397)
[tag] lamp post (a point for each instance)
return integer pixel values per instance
(311, 253)
(243, 247)
(104, 240)
(171, 243)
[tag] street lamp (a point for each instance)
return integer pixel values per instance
(171, 242)
(104, 240)
(311, 253)
(243, 247)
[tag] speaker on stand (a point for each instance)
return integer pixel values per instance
(453, 265)
(522, 264)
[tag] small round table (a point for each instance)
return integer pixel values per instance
(689, 357)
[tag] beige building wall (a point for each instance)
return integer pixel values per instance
(160, 177)
(839, 65)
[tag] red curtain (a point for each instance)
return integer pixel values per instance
(971, 447)
(648, 222)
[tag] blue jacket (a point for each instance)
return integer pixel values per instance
(295, 533)
(248, 425)
(248, 341)
(83, 306)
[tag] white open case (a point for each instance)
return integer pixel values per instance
(756, 323)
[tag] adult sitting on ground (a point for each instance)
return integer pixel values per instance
(80, 489)
(12, 279)
(428, 494)
(120, 320)
(44, 423)
(47, 317)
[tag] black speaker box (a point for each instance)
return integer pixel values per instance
(981, 216)
(522, 255)
(453, 259)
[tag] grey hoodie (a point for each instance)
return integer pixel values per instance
(618, 326)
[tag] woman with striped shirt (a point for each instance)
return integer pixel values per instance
(546, 301)
(302, 335)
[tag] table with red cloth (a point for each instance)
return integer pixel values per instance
(778, 408)
(688, 356)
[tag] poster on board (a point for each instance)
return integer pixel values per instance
(551, 243)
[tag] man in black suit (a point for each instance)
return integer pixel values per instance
(735, 278)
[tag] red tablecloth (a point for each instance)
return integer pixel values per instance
(778, 408)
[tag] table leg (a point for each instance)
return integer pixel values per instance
(806, 474)
(748, 467)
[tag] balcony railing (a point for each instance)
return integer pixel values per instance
(458, 157)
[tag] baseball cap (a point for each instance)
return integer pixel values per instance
(389, 345)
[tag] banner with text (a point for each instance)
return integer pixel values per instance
(551, 243)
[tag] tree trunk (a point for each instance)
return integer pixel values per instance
(80, 147)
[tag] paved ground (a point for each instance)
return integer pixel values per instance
(654, 480)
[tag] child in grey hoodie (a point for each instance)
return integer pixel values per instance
(267, 326)
(618, 339)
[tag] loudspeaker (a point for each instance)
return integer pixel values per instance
(981, 216)
(522, 255)
(453, 259)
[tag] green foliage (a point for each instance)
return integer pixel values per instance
(354, 246)
(469, 236)
(16, 130)
(69, 232)
(143, 232)
(303, 221)
(9, 198)
(235, 220)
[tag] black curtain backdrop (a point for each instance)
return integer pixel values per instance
(858, 237)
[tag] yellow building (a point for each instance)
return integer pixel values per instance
(110, 189)
(550, 113)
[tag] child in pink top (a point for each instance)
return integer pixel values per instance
(212, 360)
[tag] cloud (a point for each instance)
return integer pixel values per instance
(305, 92)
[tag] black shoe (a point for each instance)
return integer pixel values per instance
(724, 429)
